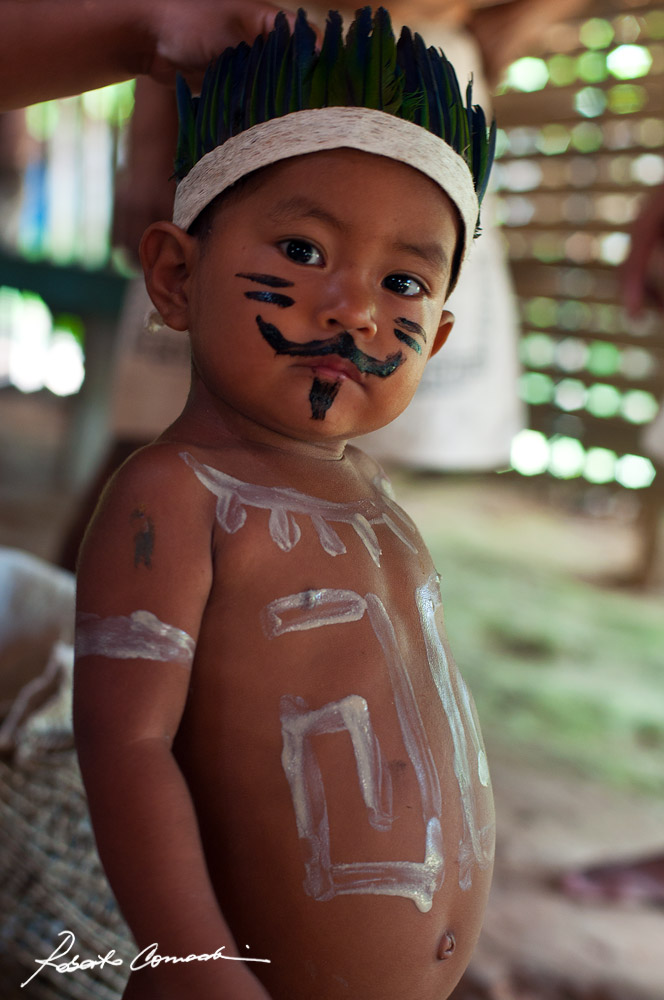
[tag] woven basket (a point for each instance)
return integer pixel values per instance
(50, 875)
(51, 880)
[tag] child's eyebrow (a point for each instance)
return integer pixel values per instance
(431, 253)
(299, 207)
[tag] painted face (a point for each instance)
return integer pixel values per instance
(319, 295)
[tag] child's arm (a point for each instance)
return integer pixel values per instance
(149, 550)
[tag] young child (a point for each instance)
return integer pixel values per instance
(285, 774)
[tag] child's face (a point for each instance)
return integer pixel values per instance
(318, 297)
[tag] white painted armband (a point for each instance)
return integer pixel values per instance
(140, 635)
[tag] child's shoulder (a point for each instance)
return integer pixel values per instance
(368, 468)
(152, 503)
(155, 466)
(156, 477)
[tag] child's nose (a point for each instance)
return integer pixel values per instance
(348, 305)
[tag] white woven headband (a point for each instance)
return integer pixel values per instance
(328, 128)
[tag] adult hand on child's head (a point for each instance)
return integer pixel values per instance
(643, 271)
(188, 35)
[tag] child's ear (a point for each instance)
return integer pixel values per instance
(443, 332)
(167, 254)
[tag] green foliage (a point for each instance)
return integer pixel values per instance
(284, 73)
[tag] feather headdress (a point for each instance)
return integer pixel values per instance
(260, 103)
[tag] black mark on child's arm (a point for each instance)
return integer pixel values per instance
(411, 327)
(321, 397)
(144, 537)
(270, 280)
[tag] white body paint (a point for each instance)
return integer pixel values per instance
(416, 880)
(140, 635)
(477, 842)
(311, 609)
(234, 496)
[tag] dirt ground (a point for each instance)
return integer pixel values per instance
(538, 945)
(569, 683)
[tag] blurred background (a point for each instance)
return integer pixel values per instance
(552, 568)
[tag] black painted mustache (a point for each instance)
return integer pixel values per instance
(342, 345)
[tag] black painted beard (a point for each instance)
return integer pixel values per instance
(321, 397)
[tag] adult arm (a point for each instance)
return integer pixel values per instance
(507, 30)
(149, 550)
(145, 187)
(53, 48)
(643, 272)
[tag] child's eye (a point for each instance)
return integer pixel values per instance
(302, 252)
(402, 284)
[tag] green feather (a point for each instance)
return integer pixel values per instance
(252, 95)
(384, 80)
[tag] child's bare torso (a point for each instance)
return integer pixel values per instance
(328, 741)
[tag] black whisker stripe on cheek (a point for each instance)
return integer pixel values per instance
(411, 326)
(274, 298)
(321, 397)
(270, 280)
(407, 340)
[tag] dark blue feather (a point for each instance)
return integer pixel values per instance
(220, 124)
(273, 57)
(358, 44)
(237, 88)
(328, 80)
(412, 93)
(443, 98)
(185, 150)
(209, 103)
(303, 55)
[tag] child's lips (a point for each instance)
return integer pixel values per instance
(333, 369)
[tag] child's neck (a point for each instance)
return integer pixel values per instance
(210, 422)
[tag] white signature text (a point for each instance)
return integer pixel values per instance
(147, 958)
